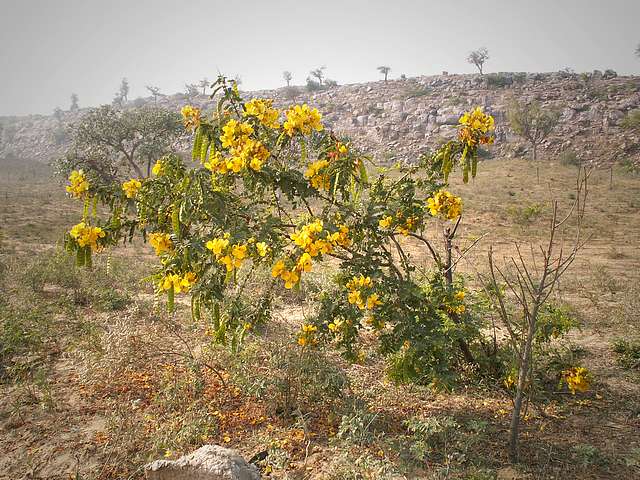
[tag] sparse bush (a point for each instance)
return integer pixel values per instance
(525, 215)
(570, 158)
(357, 426)
(628, 353)
(499, 80)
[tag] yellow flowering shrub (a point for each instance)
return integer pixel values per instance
(78, 184)
(578, 379)
(274, 189)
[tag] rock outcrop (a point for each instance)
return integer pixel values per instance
(397, 120)
(210, 462)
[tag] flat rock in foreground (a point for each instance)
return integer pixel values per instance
(210, 462)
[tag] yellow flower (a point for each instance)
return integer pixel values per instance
(158, 168)
(459, 295)
(335, 325)
(578, 379)
(290, 278)
(373, 301)
(355, 298)
(304, 263)
(318, 181)
(385, 222)
(131, 187)
(475, 127)
(278, 269)
(86, 235)
(191, 117)
(217, 245)
(307, 334)
(302, 119)
(234, 133)
(239, 252)
(216, 164)
(171, 280)
(263, 110)
(445, 205)
(262, 248)
(161, 242)
(187, 281)
(79, 185)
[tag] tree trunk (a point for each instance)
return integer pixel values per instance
(448, 275)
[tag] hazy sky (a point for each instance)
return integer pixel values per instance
(51, 48)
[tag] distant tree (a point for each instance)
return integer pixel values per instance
(204, 83)
(74, 102)
(124, 90)
(154, 91)
(58, 114)
(318, 74)
(191, 89)
(638, 51)
(533, 123)
(115, 143)
(384, 71)
(117, 101)
(478, 58)
(287, 77)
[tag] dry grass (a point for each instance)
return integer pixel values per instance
(107, 390)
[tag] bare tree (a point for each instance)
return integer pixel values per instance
(318, 73)
(204, 83)
(478, 58)
(191, 90)
(287, 77)
(529, 284)
(124, 90)
(154, 91)
(638, 51)
(74, 102)
(384, 71)
(533, 123)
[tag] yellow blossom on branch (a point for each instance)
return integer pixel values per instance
(86, 235)
(79, 185)
(578, 379)
(263, 110)
(131, 187)
(191, 117)
(302, 119)
(445, 205)
(475, 127)
(161, 242)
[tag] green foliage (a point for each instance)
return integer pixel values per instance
(570, 158)
(114, 144)
(291, 381)
(499, 80)
(357, 425)
(628, 353)
(531, 121)
(525, 215)
(632, 121)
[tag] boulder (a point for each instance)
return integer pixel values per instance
(210, 462)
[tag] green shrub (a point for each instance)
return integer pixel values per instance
(357, 426)
(570, 158)
(628, 353)
(525, 215)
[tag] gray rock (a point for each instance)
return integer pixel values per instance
(210, 462)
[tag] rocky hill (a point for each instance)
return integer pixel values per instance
(399, 119)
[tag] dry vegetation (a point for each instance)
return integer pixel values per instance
(97, 379)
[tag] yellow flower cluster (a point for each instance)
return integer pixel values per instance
(263, 110)
(179, 283)
(131, 187)
(458, 307)
(445, 204)
(245, 151)
(356, 286)
(318, 180)
(191, 117)
(86, 235)
(161, 242)
(578, 379)
(307, 335)
(302, 119)
(158, 168)
(475, 127)
(79, 185)
(402, 225)
(289, 276)
(232, 256)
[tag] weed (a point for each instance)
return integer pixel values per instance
(628, 353)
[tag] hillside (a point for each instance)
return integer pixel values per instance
(398, 119)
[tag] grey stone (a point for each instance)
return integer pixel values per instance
(210, 462)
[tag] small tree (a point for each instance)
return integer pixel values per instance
(478, 58)
(74, 102)
(111, 142)
(637, 52)
(154, 91)
(287, 77)
(58, 114)
(528, 284)
(124, 90)
(191, 90)
(533, 123)
(384, 71)
(204, 83)
(318, 74)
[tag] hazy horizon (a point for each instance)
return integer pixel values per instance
(52, 49)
